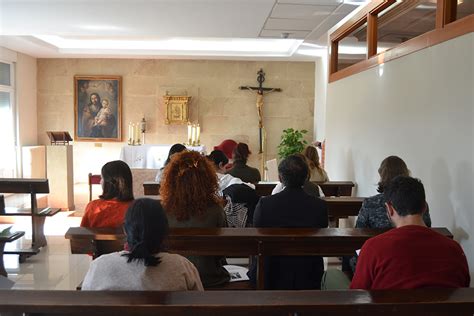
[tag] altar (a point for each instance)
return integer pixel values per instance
(150, 156)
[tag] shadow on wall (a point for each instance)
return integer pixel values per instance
(441, 189)
(350, 173)
(463, 200)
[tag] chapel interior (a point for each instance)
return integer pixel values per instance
(363, 80)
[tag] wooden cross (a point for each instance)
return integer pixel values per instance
(260, 92)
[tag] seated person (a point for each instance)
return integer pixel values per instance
(227, 147)
(317, 173)
(144, 267)
(176, 148)
(411, 255)
(219, 160)
(373, 213)
(117, 193)
(292, 207)
(241, 196)
(240, 169)
(189, 196)
(308, 186)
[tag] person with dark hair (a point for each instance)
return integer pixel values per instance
(176, 148)
(240, 169)
(144, 266)
(220, 160)
(292, 207)
(117, 193)
(189, 196)
(411, 255)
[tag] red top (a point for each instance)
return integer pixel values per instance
(411, 257)
(105, 213)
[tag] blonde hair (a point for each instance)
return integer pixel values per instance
(311, 155)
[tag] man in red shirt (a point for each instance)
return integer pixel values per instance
(411, 255)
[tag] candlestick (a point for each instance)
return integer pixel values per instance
(198, 134)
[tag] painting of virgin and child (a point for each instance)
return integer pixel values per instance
(98, 108)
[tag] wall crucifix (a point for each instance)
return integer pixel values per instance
(260, 91)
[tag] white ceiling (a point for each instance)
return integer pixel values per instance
(24, 22)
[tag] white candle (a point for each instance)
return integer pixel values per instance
(137, 133)
(198, 134)
(193, 135)
(190, 132)
(130, 132)
(132, 136)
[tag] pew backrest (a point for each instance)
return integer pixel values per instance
(446, 302)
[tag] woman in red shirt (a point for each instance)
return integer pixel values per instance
(117, 193)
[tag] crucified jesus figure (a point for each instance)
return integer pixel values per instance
(261, 91)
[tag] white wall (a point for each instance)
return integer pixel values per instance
(421, 109)
(320, 94)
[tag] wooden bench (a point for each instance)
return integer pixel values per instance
(38, 216)
(237, 242)
(439, 302)
(6, 238)
(330, 188)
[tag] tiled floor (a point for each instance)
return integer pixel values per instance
(54, 268)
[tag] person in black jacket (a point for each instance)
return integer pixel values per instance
(292, 207)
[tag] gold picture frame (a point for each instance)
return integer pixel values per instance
(98, 108)
(177, 111)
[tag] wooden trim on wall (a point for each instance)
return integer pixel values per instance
(371, 35)
(437, 36)
(446, 11)
(333, 57)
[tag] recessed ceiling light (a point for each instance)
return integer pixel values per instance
(178, 46)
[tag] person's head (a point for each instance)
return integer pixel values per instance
(95, 98)
(293, 171)
(146, 227)
(105, 103)
(227, 146)
(391, 167)
(241, 153)
(219, 159)
(176, 148)
(404, 196)
(116, 181)
(189, 185)
(311, 154)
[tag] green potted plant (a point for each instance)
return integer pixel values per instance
(292, 142)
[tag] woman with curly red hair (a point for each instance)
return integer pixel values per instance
(189, 195)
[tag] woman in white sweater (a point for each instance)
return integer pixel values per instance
(144, 267)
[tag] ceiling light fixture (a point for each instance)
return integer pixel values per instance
(177, 46)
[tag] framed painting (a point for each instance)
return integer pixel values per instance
(176, 109)
(98, 108)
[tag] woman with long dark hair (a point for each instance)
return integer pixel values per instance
(144, 266)
(117, 193)
(176, 148)
(240, 169)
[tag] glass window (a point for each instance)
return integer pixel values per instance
(464, 8)
(5, 74)
(7, 139)
(405, 20)
(352, 48)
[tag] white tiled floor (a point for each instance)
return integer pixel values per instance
(54, 268)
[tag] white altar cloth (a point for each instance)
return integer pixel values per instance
(150, 156)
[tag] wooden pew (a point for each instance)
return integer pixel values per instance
(38, 216)
(6, 238)
(237, 242)
(330, 188)
(439, 302)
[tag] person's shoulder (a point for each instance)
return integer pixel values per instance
(374, 201)
(110, 259)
